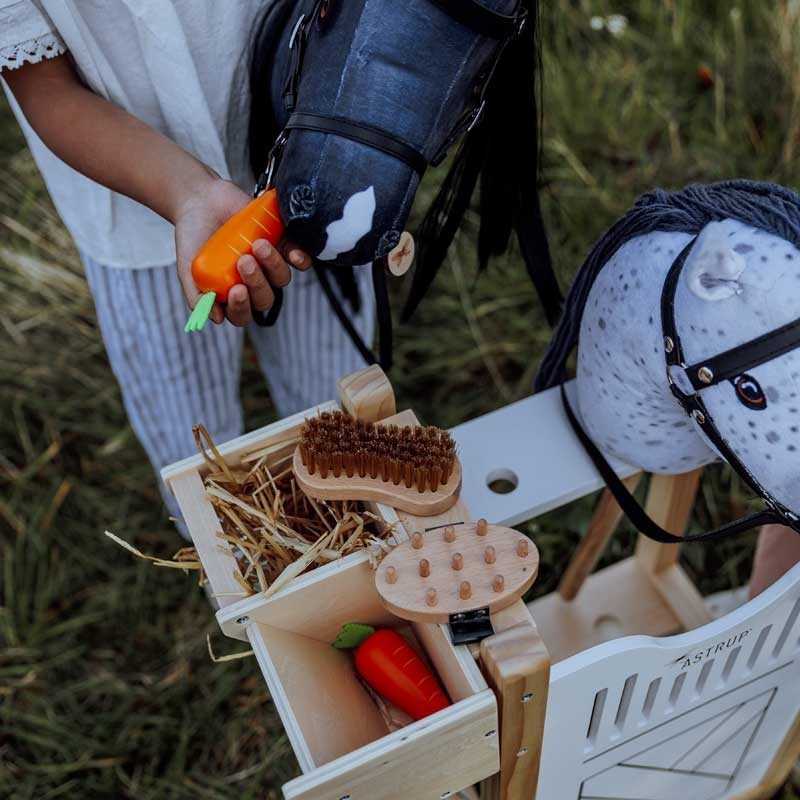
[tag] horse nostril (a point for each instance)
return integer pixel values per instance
(387, 243)
(302, 201)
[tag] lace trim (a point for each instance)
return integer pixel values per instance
(49, 45)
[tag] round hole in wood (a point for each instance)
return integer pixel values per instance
(502, 481)
(608, 626)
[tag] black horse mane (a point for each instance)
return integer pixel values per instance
(774, 209)
(502, 151)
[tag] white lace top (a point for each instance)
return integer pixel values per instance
(178, 65)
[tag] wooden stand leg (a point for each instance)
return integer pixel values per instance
(517, 666)
(669, 502)
(367, 394)
(604, 522)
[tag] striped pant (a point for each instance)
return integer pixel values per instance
(171, 380)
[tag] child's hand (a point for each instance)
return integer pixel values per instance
(198, 217)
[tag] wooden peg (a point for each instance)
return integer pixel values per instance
(391, 574)
(490, 555)
(431, 597)
(465, 590)
(449, 533)
(417, 540)
(424, 567)
(458, 561)
(481, 527)
(499, 583)
(522, 548)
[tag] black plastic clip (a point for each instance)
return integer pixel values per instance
(470, 626)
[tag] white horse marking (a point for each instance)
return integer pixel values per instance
(356, 221)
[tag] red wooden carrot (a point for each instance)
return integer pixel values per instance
(388, 664)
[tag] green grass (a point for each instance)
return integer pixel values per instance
(106, 689)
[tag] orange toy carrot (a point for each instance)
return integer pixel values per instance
(388, 664)
(214, 267)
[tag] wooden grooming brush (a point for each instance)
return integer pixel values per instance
(413, 469)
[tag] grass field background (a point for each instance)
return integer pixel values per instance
(106, 688)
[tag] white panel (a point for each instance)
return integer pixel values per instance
(531, 439)
(700, 723)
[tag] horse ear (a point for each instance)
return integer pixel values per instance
(713, 266)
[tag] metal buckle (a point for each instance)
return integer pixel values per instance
(265, 180)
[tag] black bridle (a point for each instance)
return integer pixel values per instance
(686, 383)
(470, 13)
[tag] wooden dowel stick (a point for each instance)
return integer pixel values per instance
(424, 567)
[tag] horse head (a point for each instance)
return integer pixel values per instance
(361, 96)
(735, 309)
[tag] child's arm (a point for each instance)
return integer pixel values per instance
(119, 151)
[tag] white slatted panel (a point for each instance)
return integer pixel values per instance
(699, 715)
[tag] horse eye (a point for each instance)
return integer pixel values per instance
(749, 392)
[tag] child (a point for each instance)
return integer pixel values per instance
(136, 113)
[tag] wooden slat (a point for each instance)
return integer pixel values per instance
(517, 666)
(441, 754)
(218, 562)
(670, 499)
(682, 596)
(604, 522)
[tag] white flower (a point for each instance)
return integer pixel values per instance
(616, 24)
(597, 23)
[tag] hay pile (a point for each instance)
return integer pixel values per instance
(276, 531)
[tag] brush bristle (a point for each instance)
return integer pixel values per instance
(335, 444)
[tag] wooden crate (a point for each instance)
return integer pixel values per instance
(343, 746)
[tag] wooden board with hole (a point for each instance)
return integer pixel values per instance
(374, 490)
(455, 569)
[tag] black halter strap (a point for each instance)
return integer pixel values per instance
(364, 134)
(735, 362)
